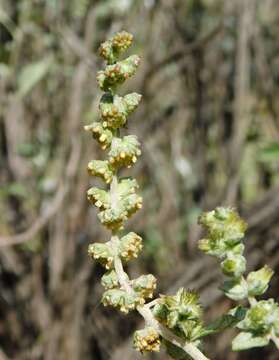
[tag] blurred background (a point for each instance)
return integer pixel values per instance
(209, 128)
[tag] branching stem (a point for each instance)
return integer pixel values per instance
(144, 310)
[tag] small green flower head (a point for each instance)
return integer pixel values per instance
(225, 231)
(115, 109)
(102, 135)
(102, 253)
(117, 73)
(121, 300)
(258, 281)
(98, 197)
(111, 49)
(233, 265)
(144, 286)
(147, 340)
(125, 151)
(130, 246)
(261, 317)
(102, 169)
(122, 41)
(113, 218)
(109, 280)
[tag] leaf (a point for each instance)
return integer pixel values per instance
(31, 74)
(175, 352)
(247, 340)
(226, 321)
(270, 153)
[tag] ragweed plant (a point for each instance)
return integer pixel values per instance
(172, 320)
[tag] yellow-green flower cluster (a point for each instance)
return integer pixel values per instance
(147, 340)
(128, 202)
(102, 169)
(120, 201)
(112, 48)
(225, 231)
(117, 73)
(115, 109)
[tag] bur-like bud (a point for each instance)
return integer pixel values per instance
(99, 198)
(121, 300)
(146, 340)
(125, 151)
(115, 109)
(102, 169)
(130, 246)
(117, 73)
(102, 253)
(144, 286)
(102, 135)
(233, 265)
(236, 289)
(258, 281)
(109, 280)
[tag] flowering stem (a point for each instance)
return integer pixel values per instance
(144, 310)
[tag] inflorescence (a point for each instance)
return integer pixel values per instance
(173, 320)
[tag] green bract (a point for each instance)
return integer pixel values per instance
(258, 281)
(180, 312)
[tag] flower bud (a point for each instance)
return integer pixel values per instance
(132, 101)
(103, 136)
(102, 253)
(146, 340)
(113, 218)
(125, 151)
(130, 246)
(145, 286)
(117, 73)
(109, 280)
(122, 41)
(111, 49)
(121, 300)
(258, 281)
(261, 317)
(99, 198)
(101, 169)
(225, 231)
(234, 265)
(115, 109)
